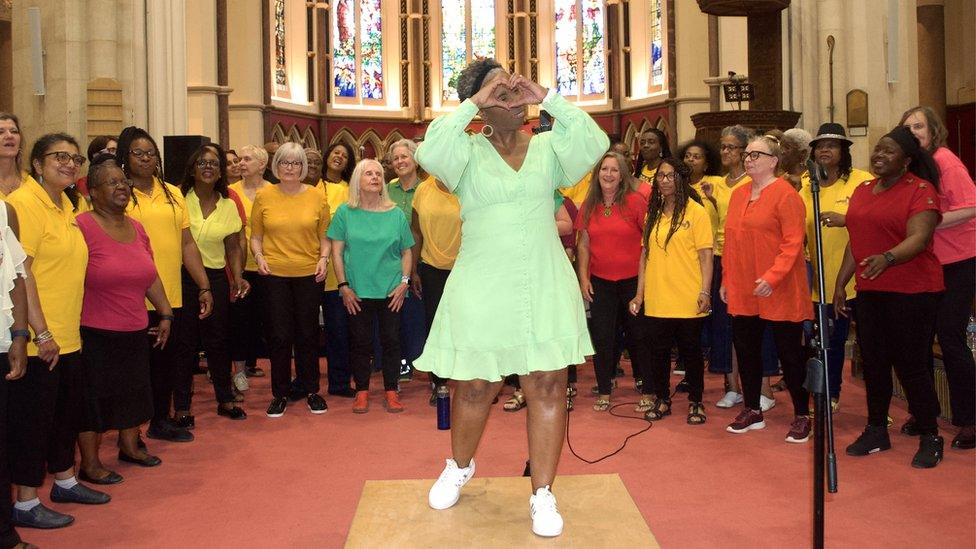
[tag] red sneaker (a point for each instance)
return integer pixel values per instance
(747, 420)
(799, 430)
(393, 402)
(361, 405)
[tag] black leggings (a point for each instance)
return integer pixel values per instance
(610, 301)
(432, 280)
(747, 336)
(361, 342)
(950, 327)
(211, 333)
(658, 335)
(293, 328)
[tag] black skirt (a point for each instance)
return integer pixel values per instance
(117, 378)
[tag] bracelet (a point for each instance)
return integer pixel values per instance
(259, 254)
(170, 318)
(14, 334)
(325, 257)
(46, 335)
(341, 284)
(202, 290)
(704, 293)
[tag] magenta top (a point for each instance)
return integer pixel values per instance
(117, 278)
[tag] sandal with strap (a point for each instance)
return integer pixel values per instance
(696, 413)
(661, 409)
(645, 404)
(602, 404)
(514, 404)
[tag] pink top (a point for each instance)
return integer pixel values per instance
(117, 278)
(956, 191)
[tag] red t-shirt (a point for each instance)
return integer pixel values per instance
(879, 222)
(956, 191)
(615, 240)
(117, 278)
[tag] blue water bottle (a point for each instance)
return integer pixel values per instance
(443, 408)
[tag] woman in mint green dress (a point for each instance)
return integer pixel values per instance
(511, 304)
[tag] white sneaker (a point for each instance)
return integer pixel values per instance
(546, 520)
(730, 399)
(240, 381)
(446, 491)
(766, 404)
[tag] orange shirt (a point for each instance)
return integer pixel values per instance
(764, 239)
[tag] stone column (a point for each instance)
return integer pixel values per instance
(932, 55)
(166, 43)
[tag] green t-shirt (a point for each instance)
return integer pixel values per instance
(374, 245)
(403, 199)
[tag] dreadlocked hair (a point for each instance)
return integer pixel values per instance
(594, 196)
(655, 206)
(124, 146)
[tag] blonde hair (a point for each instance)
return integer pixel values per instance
(357, 175)
(937, 130)
(257, 152)
(290, 151)
(411, 147)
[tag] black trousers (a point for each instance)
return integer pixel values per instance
(894, 331)
(293, 327)
(211, 333)
(8, 536)
(162, 364)
(247, 316)
(658, 335)
(609, 306)
(433, 280)
(950, 327)
(361, 342)
(45, 412)
(747, 337)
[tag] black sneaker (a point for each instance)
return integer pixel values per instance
(187, 422)
(253, 371)
(873, 439)
(929, 452)
(316, 404)
(277, 407)
(910, 428)
(406, 373)
(233, 412)
(169, 431)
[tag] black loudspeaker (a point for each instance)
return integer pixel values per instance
(178, 150)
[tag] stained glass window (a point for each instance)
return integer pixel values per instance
(357, 50)
(657, 43)
(280, 71)
(580, 40)
(467, 33)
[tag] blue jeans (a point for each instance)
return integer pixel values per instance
(413, 328)
(719, 332)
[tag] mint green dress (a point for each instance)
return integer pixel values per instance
(512, 303)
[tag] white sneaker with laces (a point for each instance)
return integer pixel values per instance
(766, 404)
(447, 489)
(240, 381)
(730, 399)
(546, 520)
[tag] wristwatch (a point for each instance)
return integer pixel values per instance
(404, 279)
(889, 257)
(19, 333)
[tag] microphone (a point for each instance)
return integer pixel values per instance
(817, 173)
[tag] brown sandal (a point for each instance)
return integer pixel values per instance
(696, 413)
(514, 404)
(660, 410)
(645, 404)
(602, 404)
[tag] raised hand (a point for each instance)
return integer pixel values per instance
(486, 98)
(529, 92)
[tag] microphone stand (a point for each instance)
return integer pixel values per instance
(817, 378)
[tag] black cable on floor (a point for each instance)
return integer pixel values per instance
(646, 428)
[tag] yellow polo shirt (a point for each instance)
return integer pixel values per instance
(722, 193)
(834, 198)
(648, 174)
(164, 219)
(439, 214)
(50, 235)
(249, 263)
(336, 194)
(290, 227)
(672, 275)
(577, 193)
(211, 231)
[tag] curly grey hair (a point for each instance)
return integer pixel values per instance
(473, 76)
(741, 134)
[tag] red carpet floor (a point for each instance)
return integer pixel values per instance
(295, 481)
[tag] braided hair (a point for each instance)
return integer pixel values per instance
(655, 206)
(126, 138)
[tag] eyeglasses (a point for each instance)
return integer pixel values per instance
(139, 153)
(669, 176)
(289, 163)
(729, 148)
(203, 164)
(64, 158)
(754, 155)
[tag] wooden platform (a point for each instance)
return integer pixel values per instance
(494, 512)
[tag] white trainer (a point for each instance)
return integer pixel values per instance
(240, 381)
(546, 520)
(766, 404)
(446, 491)
(730, 399)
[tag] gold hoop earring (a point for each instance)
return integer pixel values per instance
(487, 130)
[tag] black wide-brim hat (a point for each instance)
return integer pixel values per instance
(831, 130)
